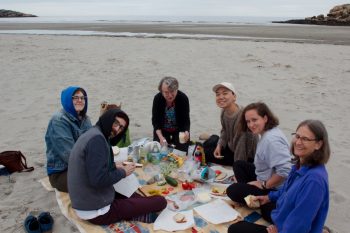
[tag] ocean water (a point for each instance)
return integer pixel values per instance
(157, 20)
(148, 19)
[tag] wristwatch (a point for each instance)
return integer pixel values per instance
(263, 184)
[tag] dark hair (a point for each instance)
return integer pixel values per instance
(322, 155)
(171, 82)
(262, 110)
(107, 119)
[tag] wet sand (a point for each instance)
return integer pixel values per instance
(273, 32)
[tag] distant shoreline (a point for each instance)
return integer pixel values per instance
(314, 22)
(275, 32)
(14, 14)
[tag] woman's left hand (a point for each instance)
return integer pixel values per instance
(256, 183)
(272, 229)
(187, 136)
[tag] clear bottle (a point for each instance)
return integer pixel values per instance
(164, 150)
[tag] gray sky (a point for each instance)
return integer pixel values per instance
(270, 8)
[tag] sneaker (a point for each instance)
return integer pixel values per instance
(31, 224)
(46, 222)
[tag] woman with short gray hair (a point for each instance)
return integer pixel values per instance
(171, 114)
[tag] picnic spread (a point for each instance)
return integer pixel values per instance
(195, 191)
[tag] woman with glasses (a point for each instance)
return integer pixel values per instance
(302, 202)
(63, 131)
(171, 114)
(92, 173)
(272, 161)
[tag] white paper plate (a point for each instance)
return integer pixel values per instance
(217, 212)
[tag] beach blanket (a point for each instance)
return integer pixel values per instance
(201, 225)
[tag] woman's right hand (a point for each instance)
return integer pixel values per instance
(262, 199)
(163, 141)
(129, 169)
(217, 152)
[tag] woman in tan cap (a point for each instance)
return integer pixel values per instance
(231, 145)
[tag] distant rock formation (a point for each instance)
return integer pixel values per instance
(337, 16)
(12, 14)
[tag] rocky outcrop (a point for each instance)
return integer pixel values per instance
(12, 14)
(337, 16)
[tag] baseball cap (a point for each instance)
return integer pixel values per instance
(226, 85)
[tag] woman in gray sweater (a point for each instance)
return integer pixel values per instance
(272, 162)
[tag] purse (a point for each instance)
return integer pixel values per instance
(14, 161)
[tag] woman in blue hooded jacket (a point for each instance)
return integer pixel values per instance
(63, 131)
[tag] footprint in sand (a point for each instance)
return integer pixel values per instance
(346, 161)
(152, 62)
(337, 198)
(253, 60)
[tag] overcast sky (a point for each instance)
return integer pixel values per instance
(270, 8)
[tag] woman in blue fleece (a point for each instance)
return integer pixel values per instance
(92, 173)
(272, 161)
(302, 202)
(63, 131)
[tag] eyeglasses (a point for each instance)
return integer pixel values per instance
(303, 139)
(76, 97)
(169, 92)
(121, 127)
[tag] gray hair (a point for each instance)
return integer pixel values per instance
(171, 82)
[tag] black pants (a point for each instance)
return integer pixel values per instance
(244, 171)
(238, 191)
(246, 227)
(209, 147)
(59, 181)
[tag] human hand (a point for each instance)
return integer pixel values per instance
(256, 183)
(217, 152)
(129, 169)
(187, 136)
(272, 229)
(119, 164)
(163, 141)
(262, 199)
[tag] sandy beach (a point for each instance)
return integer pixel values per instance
(297, 80)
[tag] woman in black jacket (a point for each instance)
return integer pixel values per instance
(171, 114)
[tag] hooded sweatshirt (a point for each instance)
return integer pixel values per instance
(63, 131)
(91, 172)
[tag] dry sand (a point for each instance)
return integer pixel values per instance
(297, 80)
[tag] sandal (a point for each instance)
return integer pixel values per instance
(31, 224)
(46, 222)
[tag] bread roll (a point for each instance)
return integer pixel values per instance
(180, 218)
(251, 202)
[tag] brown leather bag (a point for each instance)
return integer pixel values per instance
(14, 161)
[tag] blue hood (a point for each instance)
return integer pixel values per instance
(67, 101)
